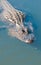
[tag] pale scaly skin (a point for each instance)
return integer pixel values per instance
(14, 18)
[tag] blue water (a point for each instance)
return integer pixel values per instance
(16, 52)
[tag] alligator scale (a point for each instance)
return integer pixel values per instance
(14, 20)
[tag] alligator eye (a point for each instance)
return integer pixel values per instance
(23, 31)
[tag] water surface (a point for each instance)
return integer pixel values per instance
(16, 52)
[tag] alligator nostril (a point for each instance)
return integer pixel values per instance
(31, 41)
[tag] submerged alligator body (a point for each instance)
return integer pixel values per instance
(14, 18)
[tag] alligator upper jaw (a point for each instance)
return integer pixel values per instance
(29, 41)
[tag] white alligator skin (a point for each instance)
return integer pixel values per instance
(14, 19)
